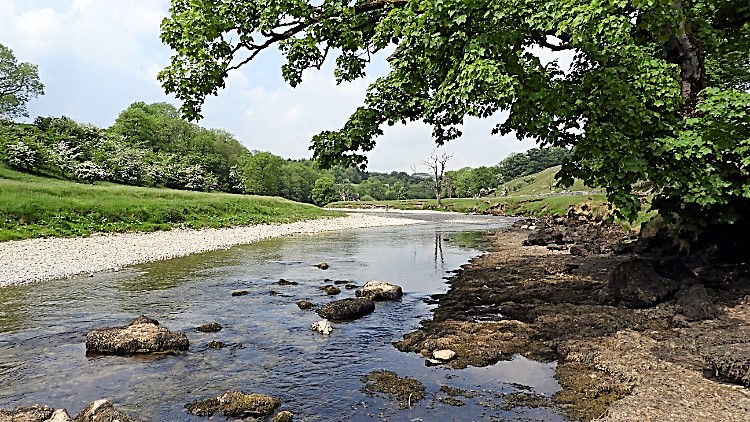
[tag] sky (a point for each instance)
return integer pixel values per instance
(96, 57)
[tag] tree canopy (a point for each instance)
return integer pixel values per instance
(19, 83)
(657, 89)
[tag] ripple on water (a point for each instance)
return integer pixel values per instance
(270, 346)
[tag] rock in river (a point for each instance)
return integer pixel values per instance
(142, 335)
(284, 416)
(323, 326)
(305, 304)
(235, 404)
(36, 413)
(210, 327)
(347, 309)
(102, 411)
(331, 290)
(379, 290)
(98, 411)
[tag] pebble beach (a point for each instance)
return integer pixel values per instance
(33, 260)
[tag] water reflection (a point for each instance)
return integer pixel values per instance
(43, 359)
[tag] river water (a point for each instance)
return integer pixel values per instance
(271, 348)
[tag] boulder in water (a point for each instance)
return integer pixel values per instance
(347, 309)
(379, 290)
(142, 335)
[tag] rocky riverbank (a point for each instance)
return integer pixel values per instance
(637, 335)
(51, 258)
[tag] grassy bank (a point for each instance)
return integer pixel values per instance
(32, 206)
(514, 205)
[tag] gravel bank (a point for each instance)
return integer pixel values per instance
(32, 260)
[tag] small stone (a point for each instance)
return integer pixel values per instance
(240, 293)
(211, 327)
(444, 355)
(331, 290)
(216, 345)
(304, 304)
(323, 266)
(324, 327)
(102, 410)
(284, 416)
(273, 293)
(283, 282)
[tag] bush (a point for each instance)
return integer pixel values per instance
(89, 172)
(22, 156)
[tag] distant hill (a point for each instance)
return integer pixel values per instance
(541, 183)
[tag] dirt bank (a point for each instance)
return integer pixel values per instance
(615, 363)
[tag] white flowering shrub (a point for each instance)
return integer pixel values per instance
(89, 172)
(65, 157)
(22, 156)
(195, 177)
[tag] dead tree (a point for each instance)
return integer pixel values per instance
(436, 164)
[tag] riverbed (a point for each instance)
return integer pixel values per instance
(269, 346)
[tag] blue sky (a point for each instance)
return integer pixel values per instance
(96, 57)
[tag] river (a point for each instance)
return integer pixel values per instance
(270, 349)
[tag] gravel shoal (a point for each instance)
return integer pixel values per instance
(27, 261)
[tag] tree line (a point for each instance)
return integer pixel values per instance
(152, 145)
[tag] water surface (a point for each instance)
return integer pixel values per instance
(271, 349)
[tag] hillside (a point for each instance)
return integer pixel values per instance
(33, 206)
(542, 183)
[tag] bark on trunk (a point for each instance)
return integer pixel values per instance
(683, 49)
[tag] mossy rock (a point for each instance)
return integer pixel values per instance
(235, 404)
(406, 390)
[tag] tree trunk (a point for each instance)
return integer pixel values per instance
(683, 49)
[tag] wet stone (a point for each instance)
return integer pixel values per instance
(406, 390)
(380, 290)
(284, 416)
(331, 290)
(240, 293)
(235, 404)
(283, 282)
(305, 304)
(142, 335)
(216, 345)
(347, 309)
(211, 327)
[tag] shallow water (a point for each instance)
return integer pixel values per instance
(43, 329)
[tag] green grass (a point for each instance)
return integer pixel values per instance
(526, 197)
(516, 205)
(541, 183)
(33, 206)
